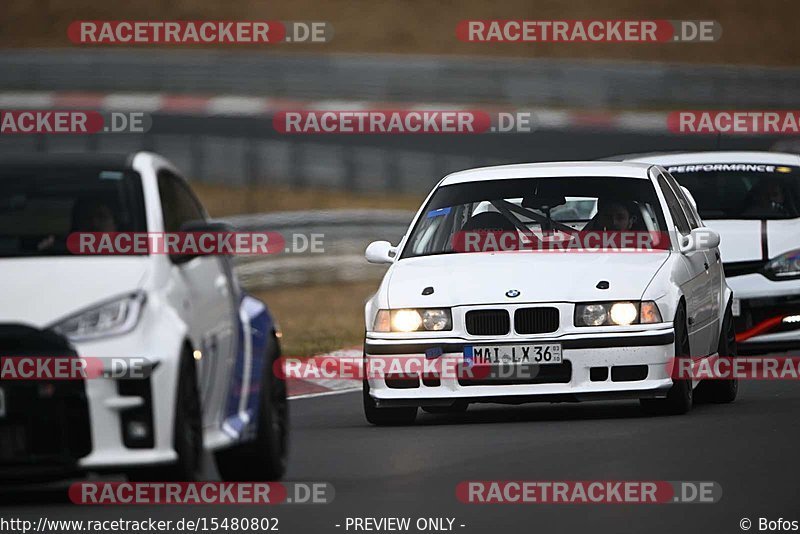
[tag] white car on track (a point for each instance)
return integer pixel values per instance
(752, 199)
(591, 324)
(208, 346)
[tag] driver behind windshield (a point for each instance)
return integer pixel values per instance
(770, 201)
(613, 215)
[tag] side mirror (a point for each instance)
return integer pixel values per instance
(380, 252)
(699, 239)
(199, 225)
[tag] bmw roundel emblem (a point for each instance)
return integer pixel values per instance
(512, 293)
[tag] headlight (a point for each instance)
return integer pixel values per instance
(413, 320)
(108, 319)
(624, 313)
(591, 315)
(406, 321)
(616, 313)
(784, 267)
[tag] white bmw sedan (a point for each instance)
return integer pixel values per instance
(520, 278)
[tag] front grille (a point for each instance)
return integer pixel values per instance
(46, 421)
(536, 320)
(755, 311)
(488, 322)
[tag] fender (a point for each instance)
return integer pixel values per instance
(255, 342)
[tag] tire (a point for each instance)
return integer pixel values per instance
(265, 457)
(187, 437)
(457, 407)
(398, 416)
(680, 396)
(722, 391)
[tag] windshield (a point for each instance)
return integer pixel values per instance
(40, 207)
(742, 191)
(534, 206)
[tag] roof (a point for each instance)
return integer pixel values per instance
(84, 159)
(549, 170)
(721, 156)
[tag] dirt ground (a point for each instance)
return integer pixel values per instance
(763, 32)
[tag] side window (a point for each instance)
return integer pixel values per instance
(674, 206)
(178, 204)
(694, 222)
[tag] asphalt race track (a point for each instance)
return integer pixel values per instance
(749, 447)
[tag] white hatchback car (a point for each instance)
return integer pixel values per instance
(602, 324)
(753, 200)
(209, 347)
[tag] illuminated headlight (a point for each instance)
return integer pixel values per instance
(413, 320)
(616, 313)
(108, 319)
(624, 313)
(406, 321)
(784, 267)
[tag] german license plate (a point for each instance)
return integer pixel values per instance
(542, 354)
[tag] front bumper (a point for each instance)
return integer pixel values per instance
(100, 408)
(630, 365)
(762, 303)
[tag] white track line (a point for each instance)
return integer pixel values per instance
(325, 393)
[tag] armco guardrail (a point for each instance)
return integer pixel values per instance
(345, 235)
(543, 82)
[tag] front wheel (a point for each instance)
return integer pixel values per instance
(680, 396)
(265, 457)
(722, 391)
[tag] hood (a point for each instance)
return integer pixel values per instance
(484, 278)
(40, 291)
(748, 240)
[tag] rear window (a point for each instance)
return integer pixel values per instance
(742, 190)
(40, 207)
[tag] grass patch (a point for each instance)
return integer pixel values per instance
(319, 318)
